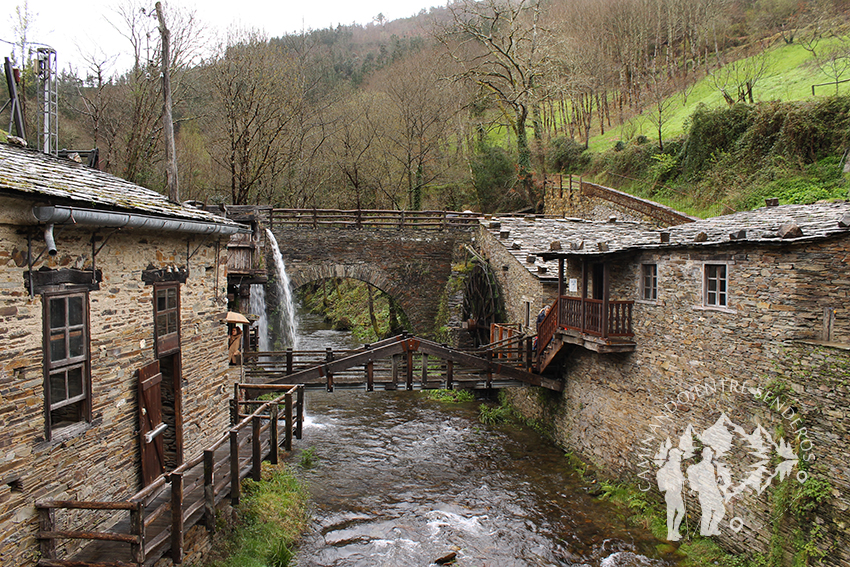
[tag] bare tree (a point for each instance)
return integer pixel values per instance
(497, 45)
(257, 95)
(172, 180)
(418, 113)
(742, 75)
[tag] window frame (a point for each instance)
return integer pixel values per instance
(643, 277)
(54, 366)
(170, 342)
(721, 290)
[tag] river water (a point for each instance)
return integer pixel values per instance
(402, 481)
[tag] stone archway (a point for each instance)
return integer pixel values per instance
(413, 266)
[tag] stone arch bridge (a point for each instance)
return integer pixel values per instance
(408, 255)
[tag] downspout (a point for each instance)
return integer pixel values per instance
(49, 241)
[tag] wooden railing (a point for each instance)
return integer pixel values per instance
(369, 218)
(547, 328)
(195, 485)
(589, 316)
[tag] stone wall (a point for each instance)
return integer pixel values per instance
(692, 363)
(408, 264)
(102, 461)
(568, 196)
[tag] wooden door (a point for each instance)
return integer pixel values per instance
(151, 425)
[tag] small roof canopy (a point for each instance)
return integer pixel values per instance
(237, 318)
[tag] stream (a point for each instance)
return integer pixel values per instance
(402, 481)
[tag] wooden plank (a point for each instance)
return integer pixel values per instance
(137, 528)
(299, 426)
(80, 534)
(177, 517)
(86, 505)
(47, 524)
(71, 563)
(209, 490)
(287, 420)
(273, 435)
(256, 454)
(234, 467)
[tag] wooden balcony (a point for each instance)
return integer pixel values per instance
(599, 325)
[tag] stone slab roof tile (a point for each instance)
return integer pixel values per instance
(50, 179)
(532, 236)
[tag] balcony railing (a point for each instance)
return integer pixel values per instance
(588, 316)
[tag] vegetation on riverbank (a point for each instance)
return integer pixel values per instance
(351, 305)
(451, 396)
(270, 518)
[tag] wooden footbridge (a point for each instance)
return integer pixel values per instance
(402, 362)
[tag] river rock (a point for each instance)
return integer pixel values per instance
(447, 559)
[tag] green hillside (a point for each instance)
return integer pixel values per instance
(790, 75)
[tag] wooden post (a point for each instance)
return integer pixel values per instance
(256, 449)
(234, 405)
(167, 121)
(606, 282)
(177, 517)
(394, 384)
(137, 528)
(529, 352)
(235, 484)
(209, 490)
(288, 361)
(424, 370)
(47, 523)
(287, 419)
(450, 370)
(370, 376)
(329, 356)
(409, 370)
(273, 431)
(489, 369)
(300, 412)
(583, 323)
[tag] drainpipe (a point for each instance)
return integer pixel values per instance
(48, 239)
(72, 215)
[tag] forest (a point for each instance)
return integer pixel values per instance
(462, 107)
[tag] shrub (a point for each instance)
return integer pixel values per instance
(565, 155)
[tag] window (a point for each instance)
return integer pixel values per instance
(66, 360)
(167, 317)
(649, 282)
(715, 285)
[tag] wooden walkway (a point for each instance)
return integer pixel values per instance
(401, 362)
(153, 522)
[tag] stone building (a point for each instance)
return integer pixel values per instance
(730, 333)
(105, 287)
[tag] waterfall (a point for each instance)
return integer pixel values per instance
(257, 306)
(286, 313)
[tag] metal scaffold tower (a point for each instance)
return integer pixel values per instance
(48, 101)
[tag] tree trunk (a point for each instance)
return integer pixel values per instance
(167, 121)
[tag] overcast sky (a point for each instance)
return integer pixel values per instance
(70, 27)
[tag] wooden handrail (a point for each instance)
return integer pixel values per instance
(177, 503)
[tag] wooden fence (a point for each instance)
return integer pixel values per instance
(164, 510)
(369, 218)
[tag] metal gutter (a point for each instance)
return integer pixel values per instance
(72, 215)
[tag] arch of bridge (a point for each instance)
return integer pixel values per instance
(411, 265)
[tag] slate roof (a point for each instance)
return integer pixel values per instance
(48, 179)
(530, 236)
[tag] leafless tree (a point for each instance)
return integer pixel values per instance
(496, 43)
